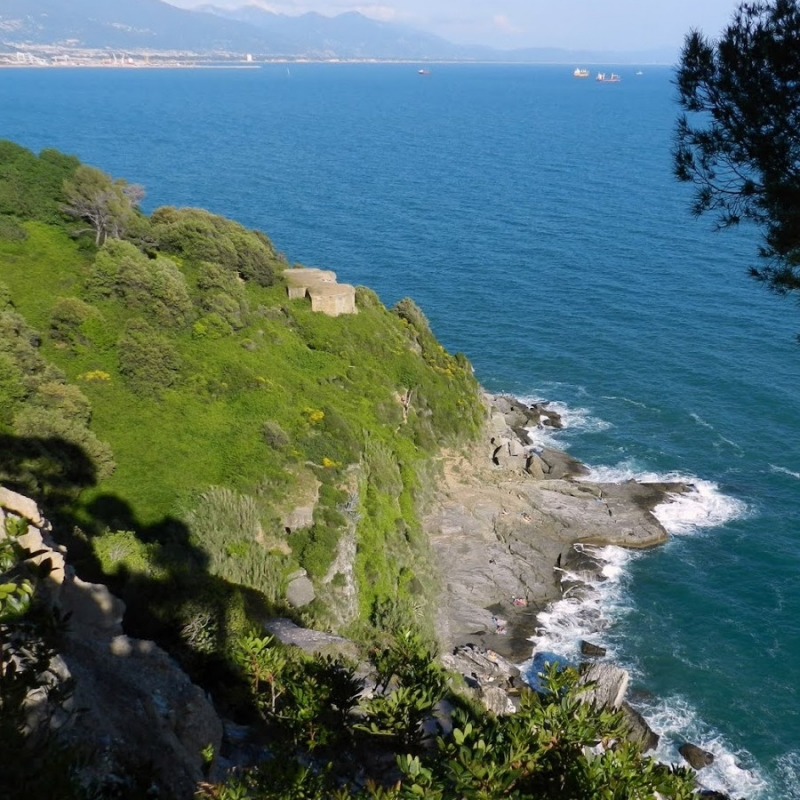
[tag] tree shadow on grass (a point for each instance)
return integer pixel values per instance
(158, 571)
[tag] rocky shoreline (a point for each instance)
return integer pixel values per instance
(505, 523)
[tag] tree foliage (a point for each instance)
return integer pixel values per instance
(31, 186)
(201, 237)
(325, 741)
(108, 205)
(738, 141)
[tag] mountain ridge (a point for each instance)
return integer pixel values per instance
(155, 25)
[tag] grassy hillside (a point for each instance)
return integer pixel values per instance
(212, 406)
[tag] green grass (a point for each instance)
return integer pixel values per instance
(331, 384)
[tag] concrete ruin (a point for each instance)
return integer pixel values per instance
(320, 286)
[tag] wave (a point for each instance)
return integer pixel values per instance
(733, 772)
(703, 506)
(788, 772)
(574, 420)
(596, 598)
(720, 438)
(630, 402)
(785, 471)
(591, 601)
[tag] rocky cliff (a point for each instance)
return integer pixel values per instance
(132, 708)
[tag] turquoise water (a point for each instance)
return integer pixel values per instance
(535, 220)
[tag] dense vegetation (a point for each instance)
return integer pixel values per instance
(738, 140)
(169, 406)
(167, 401)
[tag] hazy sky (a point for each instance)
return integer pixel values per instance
(595, 24)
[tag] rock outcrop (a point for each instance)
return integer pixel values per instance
(500, 526)
(135, 706)
(695, 756)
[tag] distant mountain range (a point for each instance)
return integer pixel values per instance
(156, 25)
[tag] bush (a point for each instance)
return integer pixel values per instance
(274, 435)
(48, 424)
(201, 237)
(155, 286)
(233, 311)
(68, 321)
(11, 230)
(146, 360)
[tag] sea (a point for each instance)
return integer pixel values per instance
(535, 219)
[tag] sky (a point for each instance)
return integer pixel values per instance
(570, 24)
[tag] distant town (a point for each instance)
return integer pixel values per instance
(60, 56)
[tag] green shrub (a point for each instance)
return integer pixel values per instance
(68, 321)
(12, 389)
(147, 360)
(233, 311)
(47, 423)
(11, 230)
(274, 435)
(153, 285)
(211, 326)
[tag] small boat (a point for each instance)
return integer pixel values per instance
(610, 78)
(639, 72)
(423, 72)
(580, 73)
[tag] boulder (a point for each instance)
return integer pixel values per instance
(695, 756)
(300, 592)
(132, 704)
(21, 506)
(593, 650)
(535, 467)
(496, 700)
(607, 685)
(481, 664)
(639, 731)
(561, 466)
(311, 641)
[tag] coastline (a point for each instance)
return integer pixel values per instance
(505, 523)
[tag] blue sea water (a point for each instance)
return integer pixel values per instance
(535, 220)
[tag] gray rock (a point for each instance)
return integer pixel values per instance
(639, 731)
(535, 467)
(696, 756)
(561, 466)
(135, 704)
(21, 506)
(284, 630)
(480, 663)
(593, 650)
(608, 684)
(300, 592)
(496, 700)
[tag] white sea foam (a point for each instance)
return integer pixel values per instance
(733, 773)
(785, 471)
(590, 604)
(703, 506)
(788, 771)
(574, 419)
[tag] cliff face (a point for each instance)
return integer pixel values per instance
(132, 707)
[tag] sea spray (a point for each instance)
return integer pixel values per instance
(595, 598)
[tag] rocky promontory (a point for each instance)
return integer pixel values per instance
(505, 521)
